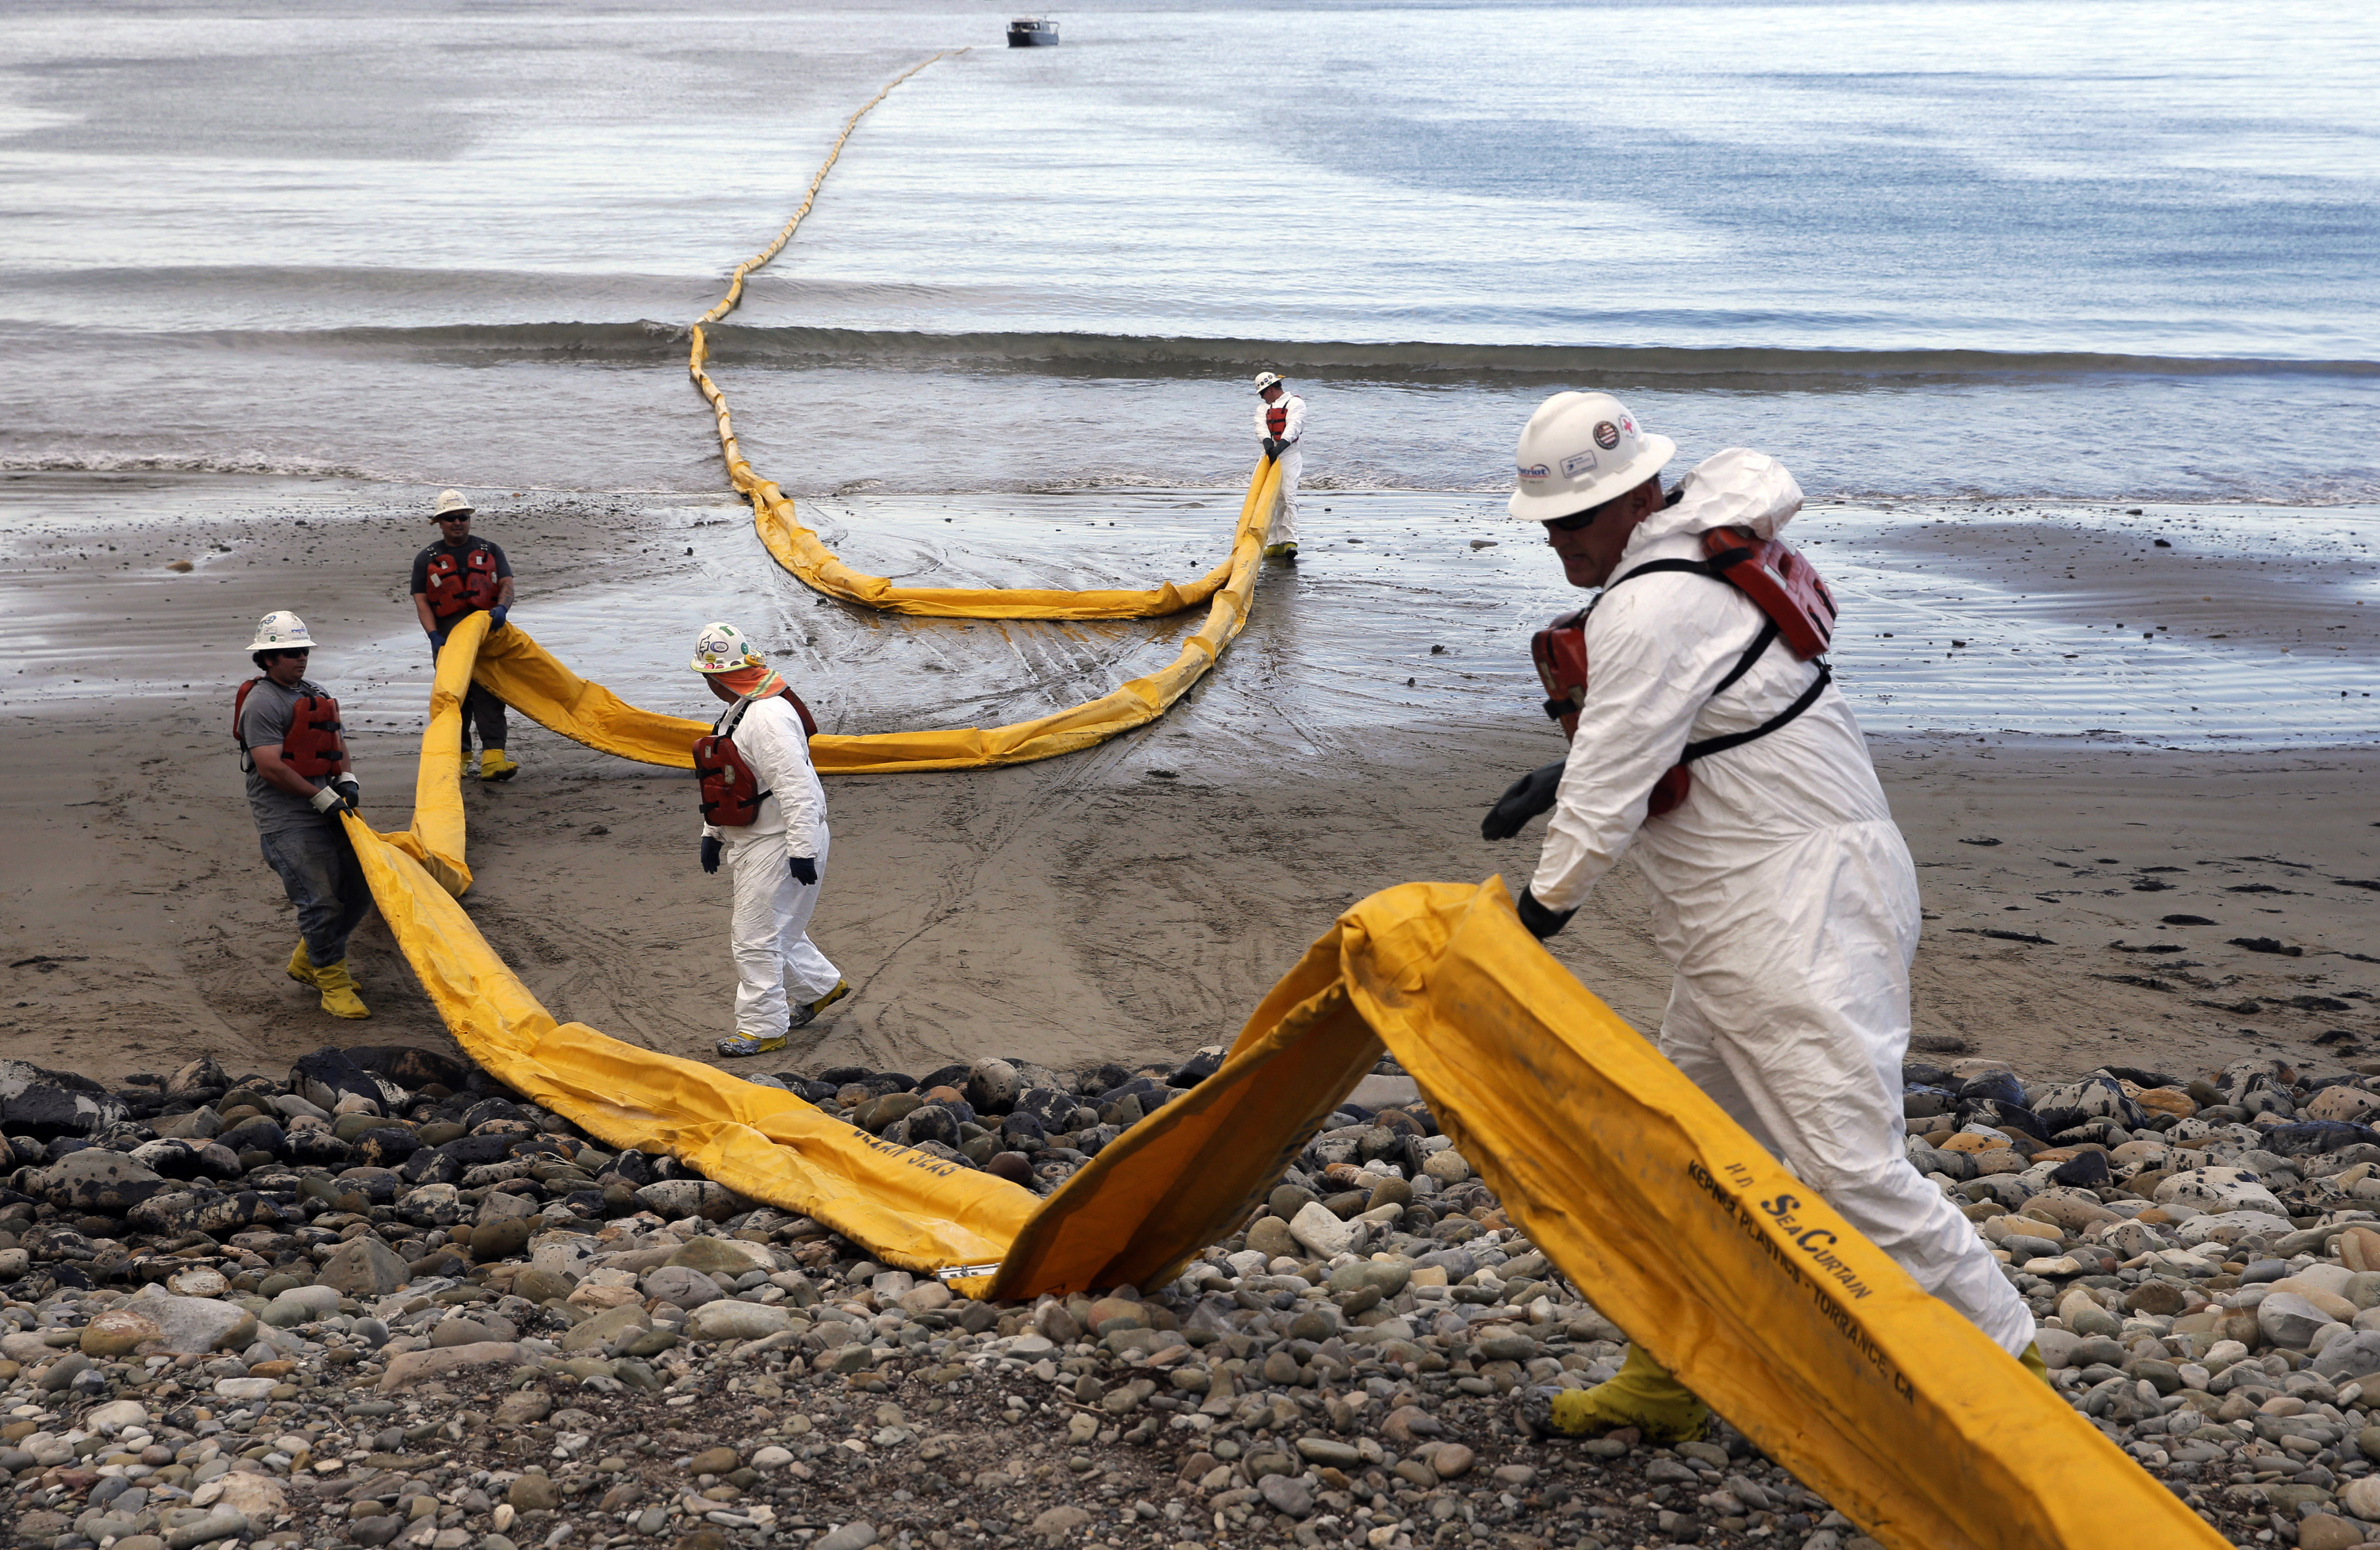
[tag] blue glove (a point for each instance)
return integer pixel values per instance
(496, 617)
(437, 641)
(804, 870)
(710, 854)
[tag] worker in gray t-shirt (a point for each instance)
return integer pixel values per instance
(299, 783)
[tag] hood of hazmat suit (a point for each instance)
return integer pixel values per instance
(1737, 487)
(1782, 890)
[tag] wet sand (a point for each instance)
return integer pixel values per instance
(1131, 902)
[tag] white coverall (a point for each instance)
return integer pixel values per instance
(1782, 890)
(771, 925)
(1292, 460)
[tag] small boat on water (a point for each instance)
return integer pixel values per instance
(1030, 32)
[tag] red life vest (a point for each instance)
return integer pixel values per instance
(731, 792)
(1786, 588)
(458, 584)
(1277, 416)
(312, 746)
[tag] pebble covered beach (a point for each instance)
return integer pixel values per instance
(381, 1302)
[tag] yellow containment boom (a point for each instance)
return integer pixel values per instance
(522, 673)
(436, 837)
(916, 1211)
(797, 549)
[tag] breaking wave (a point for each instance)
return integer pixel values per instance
(169, 463)
(647, 343)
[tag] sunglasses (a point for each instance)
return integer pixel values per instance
(1576, 520)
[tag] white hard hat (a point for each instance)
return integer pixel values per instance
(451, 504)
(1267, 379)
(721, 647)
(281, 631)
(1580, 450)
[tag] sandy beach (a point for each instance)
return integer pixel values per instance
(1129, 903)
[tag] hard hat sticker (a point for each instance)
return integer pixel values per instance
(1535, 471)
(1577, 462)
(1607, 436)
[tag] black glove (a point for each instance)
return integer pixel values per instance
(1271, 449)
(804, 870)
(350, 790)
(496, 617)
(1522, 800)
(710, 854)
(1542, 922)
(437, 641)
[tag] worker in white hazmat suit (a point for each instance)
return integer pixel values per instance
(764, 813)
(1281, 421)
(1782, 890)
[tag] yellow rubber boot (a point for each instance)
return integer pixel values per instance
(806, 1015)
(2034, 1365)
(1644, 1395)
(338, 989)
(494, 766)
(301, 968)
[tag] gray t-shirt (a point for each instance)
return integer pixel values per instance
(265, 720)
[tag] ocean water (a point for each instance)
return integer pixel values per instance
(1995, 251)
(2015, 288)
